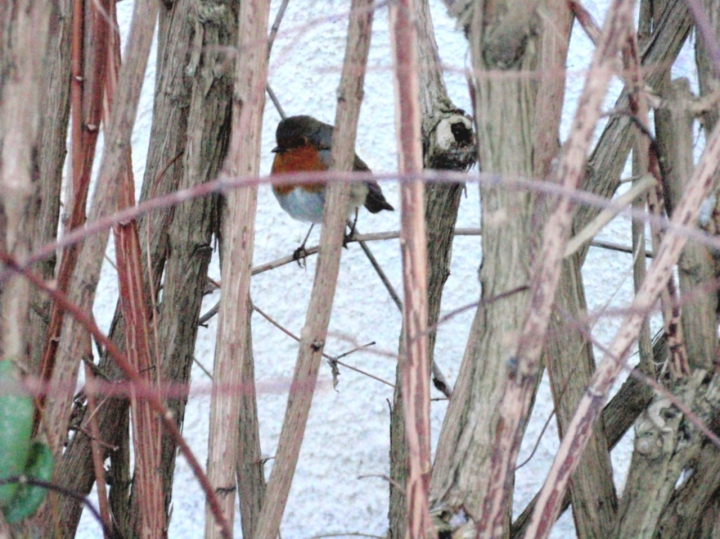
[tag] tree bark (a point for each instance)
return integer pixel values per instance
(250, 469)
(207, 30)
(568, 354)
(504, 42)
(188, 142)
(48, 165)
(24, 31)
(24, 39)
(666, 445)
(448, 144)
(618, 416)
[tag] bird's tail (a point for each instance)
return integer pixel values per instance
(375, 201)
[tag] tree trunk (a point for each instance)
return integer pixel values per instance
(503, 44)
(24, 31)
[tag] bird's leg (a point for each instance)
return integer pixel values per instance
(351, 234)
(300, 253)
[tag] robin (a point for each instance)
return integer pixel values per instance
(304, 144)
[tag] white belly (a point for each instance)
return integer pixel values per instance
(308, 206)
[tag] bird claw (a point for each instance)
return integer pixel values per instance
(299, 255)
(350, 234)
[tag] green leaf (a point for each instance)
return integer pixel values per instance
(29, 497)
(16, 420)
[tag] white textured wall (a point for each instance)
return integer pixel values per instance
(348, 430)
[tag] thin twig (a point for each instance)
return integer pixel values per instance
(275, 101)
(383, 236)
(604, 217)
(271, 40)
(481, 303)
(537, 442)
(547, 421)
(378, 269)
(659, 201)
(202, 368)
(704, 28)
(386, 478)
(276, 25)
(109, 447)
(325, 355)
(393, 235)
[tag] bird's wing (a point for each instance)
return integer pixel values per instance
(358, 166)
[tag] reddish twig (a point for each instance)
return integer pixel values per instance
(586, 20)
(658, 201)
(126, 89)
(84, 134)
(134, 305)
(122, 362)
(76, 94)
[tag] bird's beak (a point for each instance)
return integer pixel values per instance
(277, 149)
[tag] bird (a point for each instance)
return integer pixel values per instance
(304, 144)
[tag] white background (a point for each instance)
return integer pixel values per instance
(348, 429)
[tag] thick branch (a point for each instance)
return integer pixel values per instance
(238, 243)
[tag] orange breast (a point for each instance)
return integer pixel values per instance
(303, 159)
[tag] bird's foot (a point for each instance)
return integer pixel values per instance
(350, 234)
(299, 255)
(347, 238)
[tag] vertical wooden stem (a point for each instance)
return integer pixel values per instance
(238, 242)
(415, 367)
